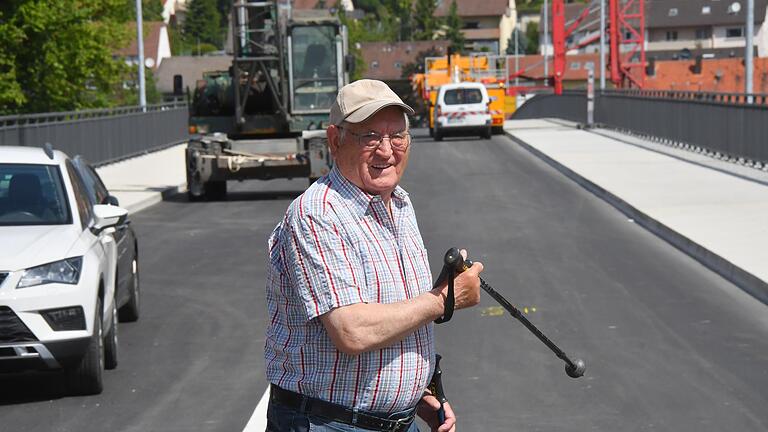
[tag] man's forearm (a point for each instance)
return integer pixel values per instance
(362, 327)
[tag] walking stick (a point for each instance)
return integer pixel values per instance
(454, 263)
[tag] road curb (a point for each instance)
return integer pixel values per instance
(726, 269)
(156, 198)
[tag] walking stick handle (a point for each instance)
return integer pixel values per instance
(453, 263)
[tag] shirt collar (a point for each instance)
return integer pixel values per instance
(361, 199)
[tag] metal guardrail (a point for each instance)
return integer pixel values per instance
(727, 98)
(102, 135)
(724, 124)
(571, 105)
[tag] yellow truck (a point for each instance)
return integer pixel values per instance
(490, 70)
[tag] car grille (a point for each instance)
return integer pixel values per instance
(12, 329)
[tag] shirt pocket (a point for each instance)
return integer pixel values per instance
(383, 280)
(416, 261)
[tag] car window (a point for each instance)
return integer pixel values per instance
(97, 192)
(462, 96)
(81, 196)
(32, 195)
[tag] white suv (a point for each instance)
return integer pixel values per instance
(57, 270)
(462, 109)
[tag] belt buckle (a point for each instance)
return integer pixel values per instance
(401, 425)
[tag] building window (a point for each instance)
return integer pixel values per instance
(672, 35)
(673, 12)
(589, 65)
(398, 65)
(734, 32)
(575, 65)
(703, 33)
(706, 10)
(374, 64)
(471, 25)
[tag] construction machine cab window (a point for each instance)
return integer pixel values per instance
(315, 75)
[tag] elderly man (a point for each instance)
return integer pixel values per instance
(350, 343)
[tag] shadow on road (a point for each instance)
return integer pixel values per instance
(25, 387)
(240, 196)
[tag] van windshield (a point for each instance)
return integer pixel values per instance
(461, 96)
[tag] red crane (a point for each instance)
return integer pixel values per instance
(627, 41)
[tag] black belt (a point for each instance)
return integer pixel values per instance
(331, 411)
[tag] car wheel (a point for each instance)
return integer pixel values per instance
(86, 377)
(110, 341)
(130, 311)
(487, 133)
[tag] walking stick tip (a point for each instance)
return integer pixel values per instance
(577, 369)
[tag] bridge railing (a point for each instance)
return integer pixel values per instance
(102, 135)
(728, 124)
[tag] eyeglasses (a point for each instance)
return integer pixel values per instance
(372, 140)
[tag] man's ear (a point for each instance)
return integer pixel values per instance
(334, 138)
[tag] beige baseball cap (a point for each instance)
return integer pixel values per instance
(363, 98)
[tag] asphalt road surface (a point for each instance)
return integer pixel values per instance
(669, 346)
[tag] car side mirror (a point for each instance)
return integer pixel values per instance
(105, 216)
(111, 200)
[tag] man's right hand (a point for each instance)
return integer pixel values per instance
(466, 286)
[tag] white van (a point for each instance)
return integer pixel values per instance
(462, 109)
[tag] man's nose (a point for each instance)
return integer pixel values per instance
(385, 150)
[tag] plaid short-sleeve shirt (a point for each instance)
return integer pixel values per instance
(338, 245)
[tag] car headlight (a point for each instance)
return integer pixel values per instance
(65, 271)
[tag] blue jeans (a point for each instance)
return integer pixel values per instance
(284, 419)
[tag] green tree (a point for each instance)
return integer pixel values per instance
(522, 42)
(225, 8)
(453, 26)
(532, 38)
(424, 21)
(150, 87)
(57, 56)
(203, 23)
(369, 6)
(11, 36)
(402, 10)
(151, 10)
(417, 65)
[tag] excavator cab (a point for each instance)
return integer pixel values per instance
(315, 63)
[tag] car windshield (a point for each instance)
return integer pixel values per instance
(32, 195)
(462, 96)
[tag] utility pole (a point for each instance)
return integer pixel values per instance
(546, 40)
(748, 66)
(140, 41)
(602, 44)
(517, 54)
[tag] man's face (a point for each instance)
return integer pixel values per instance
(377, 171)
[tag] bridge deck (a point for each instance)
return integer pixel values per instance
(714, 210)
